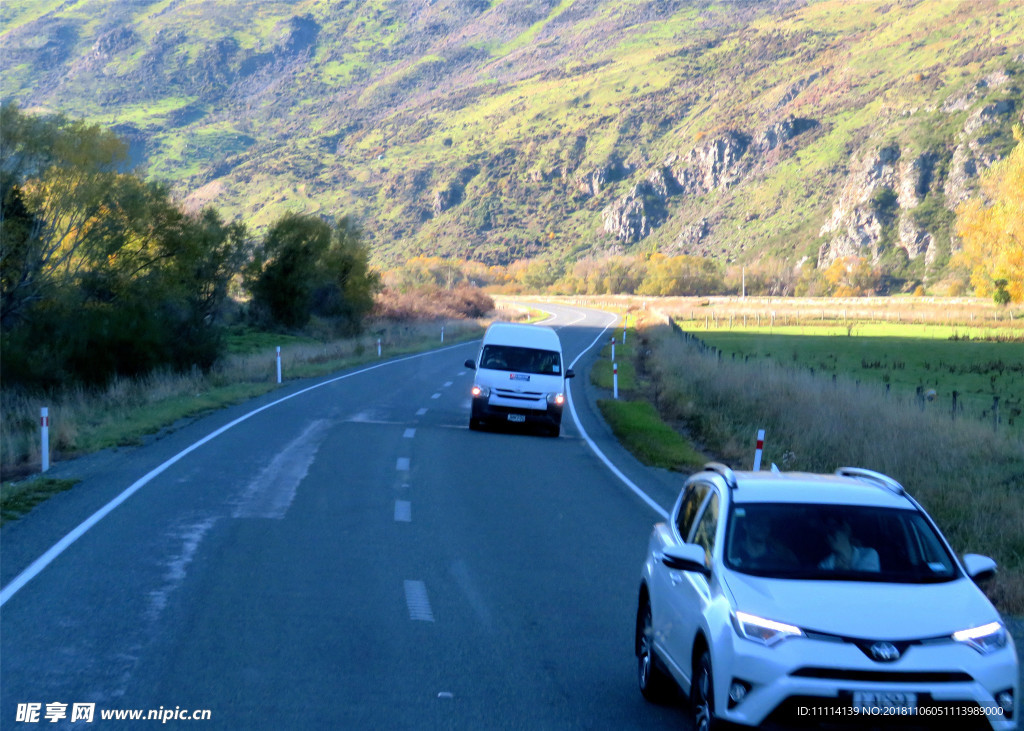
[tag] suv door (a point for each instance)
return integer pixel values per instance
(691, 590)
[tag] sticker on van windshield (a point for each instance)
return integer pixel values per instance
(556, 369)
(518, 377)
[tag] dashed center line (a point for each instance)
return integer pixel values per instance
(447, 384)
(403, 511)
(436, 395)
(409, 433)
(417, 601)
(421, 412)
(402, 465)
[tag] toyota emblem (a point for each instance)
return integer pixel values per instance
(885, 652)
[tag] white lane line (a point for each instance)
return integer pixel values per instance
(447, 384)
(421, 412)
(436, 395)
(590, 442)
(36, 567)
(402, 465)
(417, 601)
(409, 433)
(403, 511)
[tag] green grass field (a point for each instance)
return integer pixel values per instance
(907, 357)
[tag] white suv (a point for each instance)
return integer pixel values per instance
(790, 597)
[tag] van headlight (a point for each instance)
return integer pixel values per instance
(766, 631)
(481, 392)
(556, 399)
(986, 639)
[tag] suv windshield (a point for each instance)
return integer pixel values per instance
(835, 542)
(522, 360)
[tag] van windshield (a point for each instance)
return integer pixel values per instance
(521, 360)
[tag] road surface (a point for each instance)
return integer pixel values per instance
(342, 553)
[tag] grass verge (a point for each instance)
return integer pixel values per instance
(641, 430)
(17, 498)
(127, 410)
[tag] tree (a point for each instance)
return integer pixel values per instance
(346, 291)
(681, 275)
(304, 267)
(852, 276)
(993, 233)
(282, 274)
(102, 273)
(57, 181)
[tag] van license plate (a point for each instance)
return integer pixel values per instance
(874, 703)
(516, 417)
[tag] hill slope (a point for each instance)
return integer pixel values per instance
(515, 128)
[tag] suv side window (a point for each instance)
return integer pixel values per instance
(707, 529)
(692, 501)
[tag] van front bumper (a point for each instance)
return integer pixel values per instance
(498, 410)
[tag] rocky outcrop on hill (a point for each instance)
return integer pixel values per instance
(721, 162)
(593, 181)
(857, 226)
(451, 194)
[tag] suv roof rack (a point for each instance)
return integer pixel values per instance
(724, 471)
(876, 477)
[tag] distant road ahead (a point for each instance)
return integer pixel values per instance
(352, 557)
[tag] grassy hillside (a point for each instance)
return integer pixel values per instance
(514, 128)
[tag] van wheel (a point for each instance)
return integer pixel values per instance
(474, 424)
(555, 431)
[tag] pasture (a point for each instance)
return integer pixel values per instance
(942, 368)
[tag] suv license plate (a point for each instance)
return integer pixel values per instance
(874, 703)
(516, 417)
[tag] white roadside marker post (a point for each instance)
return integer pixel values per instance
(378, 347)
(278, 363)
(44, 427)
(615, 379)
(613, 350)
(760, 448)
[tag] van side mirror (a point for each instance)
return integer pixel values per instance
(470, 364)
(570, 373)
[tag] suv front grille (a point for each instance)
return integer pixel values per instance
(884, 676)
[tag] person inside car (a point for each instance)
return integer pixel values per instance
(758, 551)
(847, 552)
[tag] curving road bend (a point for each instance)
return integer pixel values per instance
(344, 553)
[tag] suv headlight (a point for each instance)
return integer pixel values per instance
(556, 399)
(986, 639)
(766, 631)
(481, 392)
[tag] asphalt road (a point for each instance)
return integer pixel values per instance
(344, 553)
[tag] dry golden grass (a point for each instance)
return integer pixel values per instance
(127, 409)
(968, 477)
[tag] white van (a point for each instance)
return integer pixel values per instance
(519, 377)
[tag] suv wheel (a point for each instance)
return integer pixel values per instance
(654, 684)
(702, 695)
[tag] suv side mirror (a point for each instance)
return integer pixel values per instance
(470, 363)
(686, 557)
(570, 373)
(979, 568)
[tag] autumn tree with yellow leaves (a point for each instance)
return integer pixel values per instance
(991, 228)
